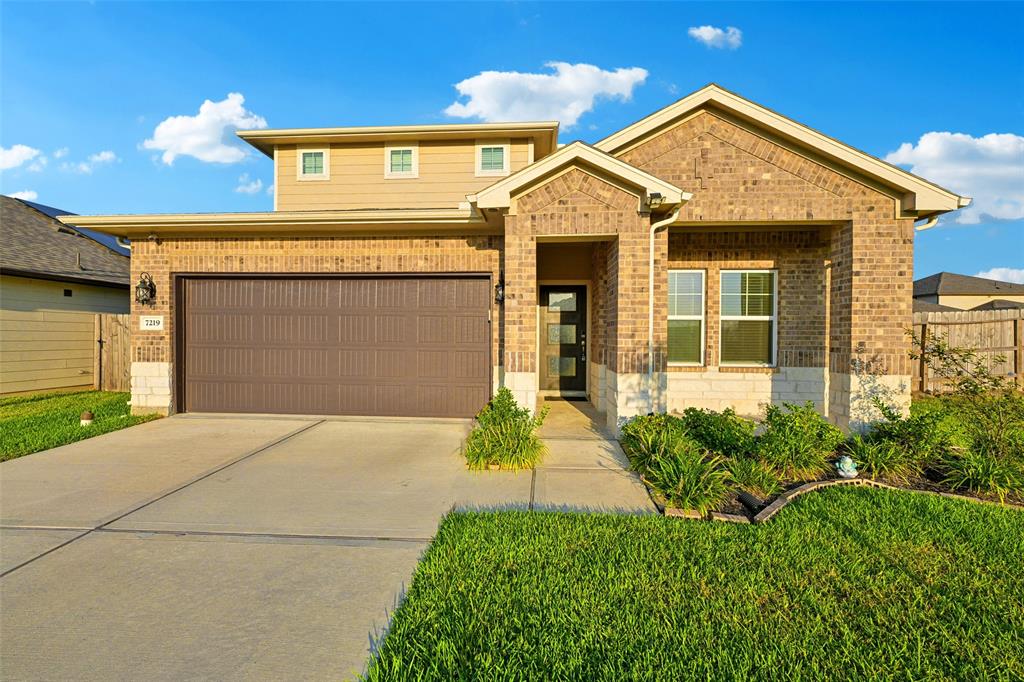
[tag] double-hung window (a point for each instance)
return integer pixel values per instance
(492, 158)
(313, 164)
(686, 317)
(401, 162)
(748, 317)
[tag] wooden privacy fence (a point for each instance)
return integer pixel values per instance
(992, 333)
(112, 369)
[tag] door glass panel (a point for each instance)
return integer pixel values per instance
(561, 367)
(564, 301)
(561, 333)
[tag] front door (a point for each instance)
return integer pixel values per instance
(563, 338)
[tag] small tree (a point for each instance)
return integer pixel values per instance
(991, 410)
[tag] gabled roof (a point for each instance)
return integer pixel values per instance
(545, 134)
(499, 195)
(929, 307)
(999, 304)
(952, 284)
(35, 244)
(925, 199)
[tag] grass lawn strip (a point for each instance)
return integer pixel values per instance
(39, 422)
(846, 583)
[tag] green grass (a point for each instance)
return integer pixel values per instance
(39, 422)
(842, 584)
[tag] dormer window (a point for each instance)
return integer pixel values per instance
(401, 161)
(313, 164)
(492, 158)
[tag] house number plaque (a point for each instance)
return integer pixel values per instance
(151, 323)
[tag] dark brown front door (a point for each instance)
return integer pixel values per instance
(563, 338)
(395, 346)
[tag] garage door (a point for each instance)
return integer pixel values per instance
(354, 346)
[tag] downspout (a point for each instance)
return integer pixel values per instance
(927, 225)
(122, 242)
(673, 216)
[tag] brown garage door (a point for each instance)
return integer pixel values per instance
(358, 346)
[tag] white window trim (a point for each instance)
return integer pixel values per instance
(414, 147)
(302, 177)
(773, 318)
(506, 157)
(702, 317)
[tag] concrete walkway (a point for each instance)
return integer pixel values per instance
(257, 548)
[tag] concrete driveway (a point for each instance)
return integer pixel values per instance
(240, 547)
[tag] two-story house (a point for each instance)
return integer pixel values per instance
(713, 254)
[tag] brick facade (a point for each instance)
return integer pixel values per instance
(844, 261)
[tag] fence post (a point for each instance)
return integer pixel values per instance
(922, 361)
(97, 365)
(1018, 351)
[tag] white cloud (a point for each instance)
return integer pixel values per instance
(16, 155)
(206, 136)
(61, 153)
(38, 164)
(1015, 275)
(711, 36)
(989, 168)
(564, 95)
(27, 195)
(98, 159)
(270, 190)
(245, 186)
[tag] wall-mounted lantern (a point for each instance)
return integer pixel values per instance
(145, 290)
(499, 291)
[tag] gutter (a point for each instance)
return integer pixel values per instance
(672, 217)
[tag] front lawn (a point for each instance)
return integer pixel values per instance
(845, 583)
(32, 423)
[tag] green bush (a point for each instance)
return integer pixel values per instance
(754, 477)
(981, 472)
(885, 459)
(797, 441)
(645, 438)
(723, 432)
(688, 477)
(505, 435)
(922, 435)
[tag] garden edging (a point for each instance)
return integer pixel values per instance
(785, 498)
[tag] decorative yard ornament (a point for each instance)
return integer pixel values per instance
(145, 290)
(846, 467)
(86, 418)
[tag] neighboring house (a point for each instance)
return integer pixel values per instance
(962, 292)
(53, 277)
(411, 270)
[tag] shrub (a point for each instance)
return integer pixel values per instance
(723, 432)
(922, 436)
(506, 435)
(688, 477)
(879, 458)
(754, 477)
(797, 441)
(981, 472)
(648, 437)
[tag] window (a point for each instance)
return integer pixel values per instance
(686, 317)
(748, 317)
(313, 164)
(401, 162)
(492, 158)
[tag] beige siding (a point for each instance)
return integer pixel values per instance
(446, 176)
(968, 302)
(47, 339)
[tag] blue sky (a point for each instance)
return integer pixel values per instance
(85, 85)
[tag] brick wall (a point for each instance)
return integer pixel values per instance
(739, 175)
(163, 259)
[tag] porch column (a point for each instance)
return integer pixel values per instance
(870, 309)
(520, 357)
